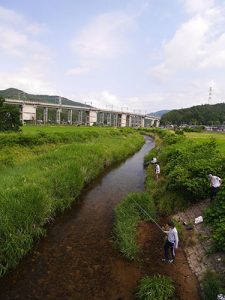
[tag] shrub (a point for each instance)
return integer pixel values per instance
(179, 132)
(212, 285)
(187, 165)
(9, 117)
(155, 287)
(215, 217)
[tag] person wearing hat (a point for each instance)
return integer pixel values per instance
(154, 160)
(171, 243)
(215, 183)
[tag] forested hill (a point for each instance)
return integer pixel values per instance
(197, 115)
(159, 113)
(12, 93)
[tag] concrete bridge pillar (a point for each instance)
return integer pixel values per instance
(130, 121)
(109, 119)
(123, 120)
(21, 113)
(58, 115)
(102, 118)
(142, 122)
(157, 123)
(70, 116)
(27, 113)
(80, 117)
(92, 117)
(115, 119)
(87, 118)
(45, 117)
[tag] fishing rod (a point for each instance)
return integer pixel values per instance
(149, 216)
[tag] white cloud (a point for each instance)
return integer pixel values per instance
(107, 100)
(84, 68)
(20, 45)
(184, 49)
(16, 20)
(29, 80)
(17, 36)
(103, 37)
(101, 99)
(198, 44)
(214, 57)
(11, 41)
(7, 15)
(196, 6)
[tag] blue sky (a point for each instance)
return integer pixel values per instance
(144, 55)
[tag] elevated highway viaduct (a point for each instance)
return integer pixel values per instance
(43, 112)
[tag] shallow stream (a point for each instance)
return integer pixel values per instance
(77, 259)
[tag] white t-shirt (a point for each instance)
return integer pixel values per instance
(173, 236)
(157, 169)
(215, 181)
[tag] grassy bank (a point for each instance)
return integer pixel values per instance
(127, 216)
(45, 173)
(185, 164)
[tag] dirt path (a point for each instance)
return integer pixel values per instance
(151, 240)
(77, 259)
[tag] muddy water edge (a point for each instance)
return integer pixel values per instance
(77, 259)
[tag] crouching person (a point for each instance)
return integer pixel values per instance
(171, 243)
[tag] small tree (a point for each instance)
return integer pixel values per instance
(9, 117)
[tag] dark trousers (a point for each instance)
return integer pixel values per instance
(169, 246)
(213, 192)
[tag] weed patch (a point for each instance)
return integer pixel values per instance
(155, 287)
(213, 285)
(127, 216)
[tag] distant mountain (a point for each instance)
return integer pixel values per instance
(159, 113)
(198, 115)
(12, 93)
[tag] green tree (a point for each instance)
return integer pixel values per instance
(9, 117)
(196, 115)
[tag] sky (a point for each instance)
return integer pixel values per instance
(133, 55)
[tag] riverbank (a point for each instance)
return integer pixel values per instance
(77, 258)
(202, 260)
(181, 190)
(42, 172)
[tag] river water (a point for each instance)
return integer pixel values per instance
(77, 259)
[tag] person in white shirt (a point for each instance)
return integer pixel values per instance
(215, 183)
(171, 243)
(157, 171)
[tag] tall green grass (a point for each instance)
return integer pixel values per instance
(155, 287)
(127, 216)
(32, 141)
(32, 191)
